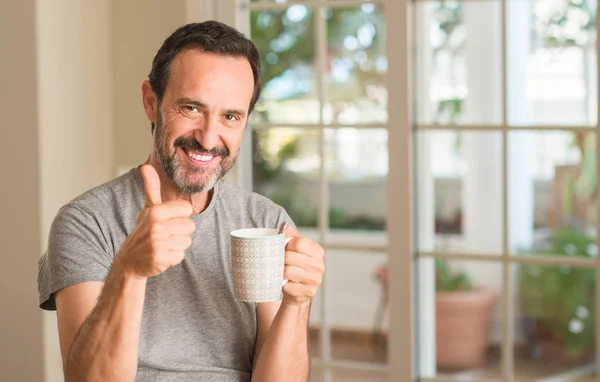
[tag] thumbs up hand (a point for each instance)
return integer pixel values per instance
(162, 232)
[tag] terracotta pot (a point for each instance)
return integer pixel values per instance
(462, 328)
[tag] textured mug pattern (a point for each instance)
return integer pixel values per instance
(258, 265)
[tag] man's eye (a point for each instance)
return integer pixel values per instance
(190, 109)
(230, 117)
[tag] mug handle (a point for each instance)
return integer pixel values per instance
(287, 240)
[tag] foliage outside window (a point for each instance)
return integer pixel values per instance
(286, 162)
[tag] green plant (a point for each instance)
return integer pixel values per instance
(305, 214)
(448, 17)
(448, 281)
(286, 43)
(560, 300)
(449, 110)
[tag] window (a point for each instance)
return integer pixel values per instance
(506, 119)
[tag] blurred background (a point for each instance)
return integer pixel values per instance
(459, 218)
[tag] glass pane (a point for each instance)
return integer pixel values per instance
(285, 40)
(458, 62)
(552, 187)
(552, 74)
(357, 64)
(357, 167)
(555, 321)
(285, 169)
(460, 326)
(459, 191)
(358, 311)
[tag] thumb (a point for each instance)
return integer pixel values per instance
(151, 185)
(290, 232)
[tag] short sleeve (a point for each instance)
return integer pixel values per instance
(285, 217)
(77, 252)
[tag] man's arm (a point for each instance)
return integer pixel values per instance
(74, 305)
(103, 347)
(281, 352)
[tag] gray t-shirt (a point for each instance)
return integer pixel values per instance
(193, 327)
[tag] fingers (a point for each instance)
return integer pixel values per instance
(303, 261)
(171, 209)
(151, 185)
(306, 246)
(176, 257)
(300, 292)
(304, 268)
(179, 243)
(180, 226)
(298, 275)
(289, 231)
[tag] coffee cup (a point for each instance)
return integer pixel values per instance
(258, 260)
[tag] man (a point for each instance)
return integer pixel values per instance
(139, 268)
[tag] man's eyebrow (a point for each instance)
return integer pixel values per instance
(189, 101)
(200, 105)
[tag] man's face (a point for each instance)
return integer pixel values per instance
(201, 117)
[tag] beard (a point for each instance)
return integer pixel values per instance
(188, 178)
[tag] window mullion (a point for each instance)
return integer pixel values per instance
(323, 217)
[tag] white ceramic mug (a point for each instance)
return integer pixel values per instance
(258, 260)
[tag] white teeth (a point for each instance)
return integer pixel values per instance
(203, 158)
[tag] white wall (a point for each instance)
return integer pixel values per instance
(139, 28)
(75, 124)
(21, 344)
(58, 142)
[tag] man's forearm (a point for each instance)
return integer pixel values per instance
(284, 355)
(106, 347)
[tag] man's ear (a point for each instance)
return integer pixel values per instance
(150, 101)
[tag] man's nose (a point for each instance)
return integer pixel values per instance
(207, 134)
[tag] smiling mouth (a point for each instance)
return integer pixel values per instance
(198, 157)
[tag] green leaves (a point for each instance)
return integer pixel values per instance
(447, 281)
(561, 298)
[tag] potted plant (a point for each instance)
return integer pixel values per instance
(463, 316)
